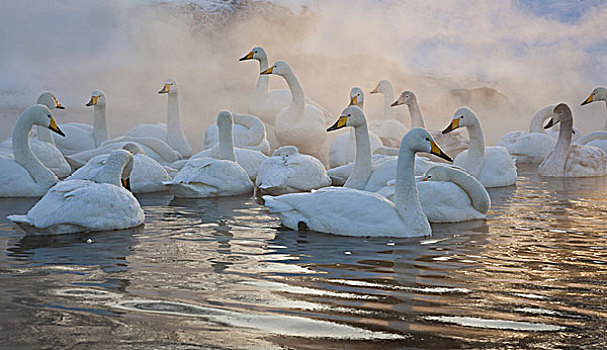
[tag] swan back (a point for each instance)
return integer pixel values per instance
(474, 189)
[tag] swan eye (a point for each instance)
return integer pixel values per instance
(49, 116)
(427, 139)
(349, 115)
(461, 117)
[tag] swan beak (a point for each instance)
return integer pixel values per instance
(53, 126)
(353, 100)
(126, 183)
(58, 105)
(550, 124)
(454, 125)
(165, 89)
(588, 100)
(434, 149)
(268, 71)
(249, 56)
(397, 102)
(425, 178)
(92, 101)
(340, 123)
(374, 91)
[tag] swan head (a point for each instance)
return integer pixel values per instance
(464, 116)
(561, 112)
(351, 116)
(170, 87)
(133, 148)
(41, 115)
(406, 98)
(225, 119)
(382, 87)
(441, 173)
(97, 99)
(256, 53)
(357, 97)
(281, 68)
(48, 99)
(598, 94)
(420, 140)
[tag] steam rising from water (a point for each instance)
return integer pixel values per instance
(128, 49)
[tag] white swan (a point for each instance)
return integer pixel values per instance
(81, 137)
(301, 124)
(453, 143)
(249, 132)
(351, 212)
(596, 138)
(171, 132)
(533, 146)
(388, 129)
(25, 175)
(210, 177)
(44, 145)
(343, 147)
(147, 174)
(492, 166)
(598, 94)
(84, 206)
(287, 171)
(462, 197)
(571, 160)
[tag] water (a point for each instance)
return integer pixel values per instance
(223, 274)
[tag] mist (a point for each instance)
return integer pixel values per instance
(530, 53)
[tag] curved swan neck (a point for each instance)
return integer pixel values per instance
(476, 148)
(26, 158)
(363, 165)
(389, 112)
(476, 192)
(565, 133)
(537, 122)
(297, 95)
(100, 133)
(226, 143)
(406, 196)
(417, 120)
(111, 172)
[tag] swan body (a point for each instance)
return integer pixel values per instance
(147, 174)
(171, 132)
(210, 177)
(82, 137)
(492, 166)
(249, 133)
(287, 171)
(83, 205)
(571, 160)
(596, 139)
(300, 124)
(352, 212)
(24, 175)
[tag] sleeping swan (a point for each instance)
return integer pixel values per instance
(351, 212)
(83, 206)
(249, 132)
(492, 166)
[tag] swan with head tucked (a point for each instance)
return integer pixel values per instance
(571, 160)
(352, 212)
(81, 137)
(213, 177)
(147, 174)
(300, 124)
(343, 147)
(25, 175)
(596, 138)
(84, 206)
(171, 132)
(492, 166)
(389, 129)
(287, 171)
(44, 145)
(249, 133)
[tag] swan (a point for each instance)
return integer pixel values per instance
(44, 145)
(343, 147)
(210, 177)
(249, 132)
(462, 197)
(147, 174)
(171, 132)
(492, 166)
(301, 124)
(287, 171)
(596, 138)
(248, 159)
(598, 94)
(84, 206)
(571, 160)
(82, 137)
(389, 129)
(453, 143)
(25, 175)
(352, 212)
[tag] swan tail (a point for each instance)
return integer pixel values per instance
(19, 219)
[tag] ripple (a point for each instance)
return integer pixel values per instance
(309, 291)
(496, 324)
(431, 290)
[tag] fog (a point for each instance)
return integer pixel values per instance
(532, 54)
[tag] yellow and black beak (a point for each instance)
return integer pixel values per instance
(396, 103)
(550, 124)
(249, 56)
(340, 123)
(588, 100)
(126, 183)
(53, 126)
(454, 125)
(92, 101)
(434, 149)
(268, 71)
(374, 91)
(165, 89)
(353, 100)
(425, 178)
(58, 105)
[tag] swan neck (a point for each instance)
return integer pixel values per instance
(537, 122)
(417, 120)
(297, 95)
(565, 133)
(476, 192)
(476, 148)
(263, 81)
(173, 120)
(26, 158)
(226, 144)
(605, 126)
(363, 164)
(388, 99)
(406, 196)
(100, 133)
